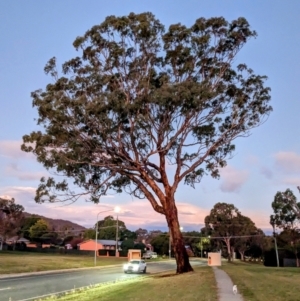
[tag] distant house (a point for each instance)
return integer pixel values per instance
(68, 247)
(16, 239)
(101, 244)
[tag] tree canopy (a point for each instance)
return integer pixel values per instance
(138, 98)
(286, 210)
(226, 223)
(26, 225)
(107, 228)
(10, 218)
(38, 230)
(287, 217)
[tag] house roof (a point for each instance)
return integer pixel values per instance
(104, 242)
(15, 239)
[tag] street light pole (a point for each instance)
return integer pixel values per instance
(201, 246)
(117, 237)
(117, 209)
(273, 224)
(276, 249)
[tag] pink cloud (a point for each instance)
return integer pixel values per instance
(252, 160)
(12, 149)
(232, 179)
(135, 214)
(293, 181)
(261, 219)
(13, 170)
(288, 162)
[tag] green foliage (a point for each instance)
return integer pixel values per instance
(160, 244)
(127, 234)
(223, 220)
(26, 225)
(139, 96)
(234, 229)
(286, 210)
(287, 217)
(140, 246)
(126, 245)
(137, 90)
(38, 230)
(89, 234)
(107, 228)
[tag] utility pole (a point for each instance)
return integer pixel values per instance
(273, 224)
(117, 234)
(276, 249)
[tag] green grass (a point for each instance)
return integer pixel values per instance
(259, 283)
(198, 285)
(22, 262)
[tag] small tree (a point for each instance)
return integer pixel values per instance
(126, 245)
(39, 229)
(248, 232)
(160, 244)
(107, 228)
(287, 217)
(139, 98)
(10, 218)
(26, 225)
(89, 234)
(223, 221)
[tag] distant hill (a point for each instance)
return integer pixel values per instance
(59, 225)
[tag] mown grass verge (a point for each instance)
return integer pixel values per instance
(22, 262)
(199, 285)
(259, 283)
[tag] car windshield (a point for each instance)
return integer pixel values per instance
(134, 261)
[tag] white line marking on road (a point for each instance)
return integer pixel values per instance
(4, 289)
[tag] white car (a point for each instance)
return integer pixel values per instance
(153, 255)
(135, 266)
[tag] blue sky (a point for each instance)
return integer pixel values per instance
(266, 162)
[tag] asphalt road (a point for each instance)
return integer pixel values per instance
(33, 287)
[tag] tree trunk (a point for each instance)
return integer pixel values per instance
(181, 256)
(232, 253)
(242, 255)
(297, 259)
(227, 242)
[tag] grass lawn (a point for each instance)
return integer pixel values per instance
(259, 283)
(199, 285)
(22, 262)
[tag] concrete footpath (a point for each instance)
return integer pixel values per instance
(225, 285)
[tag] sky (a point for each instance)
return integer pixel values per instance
(266, 162)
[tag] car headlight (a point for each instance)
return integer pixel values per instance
(125, 266)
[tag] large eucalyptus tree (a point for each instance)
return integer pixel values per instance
(139, 98)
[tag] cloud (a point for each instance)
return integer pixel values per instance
(136, 214)
(293, 181)
(287, 162)
(12, 170)
(12, 149)
(266, 172)
(232, 179)
(261, 219)
(252, 160)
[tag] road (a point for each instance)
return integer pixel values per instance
(32, 287)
